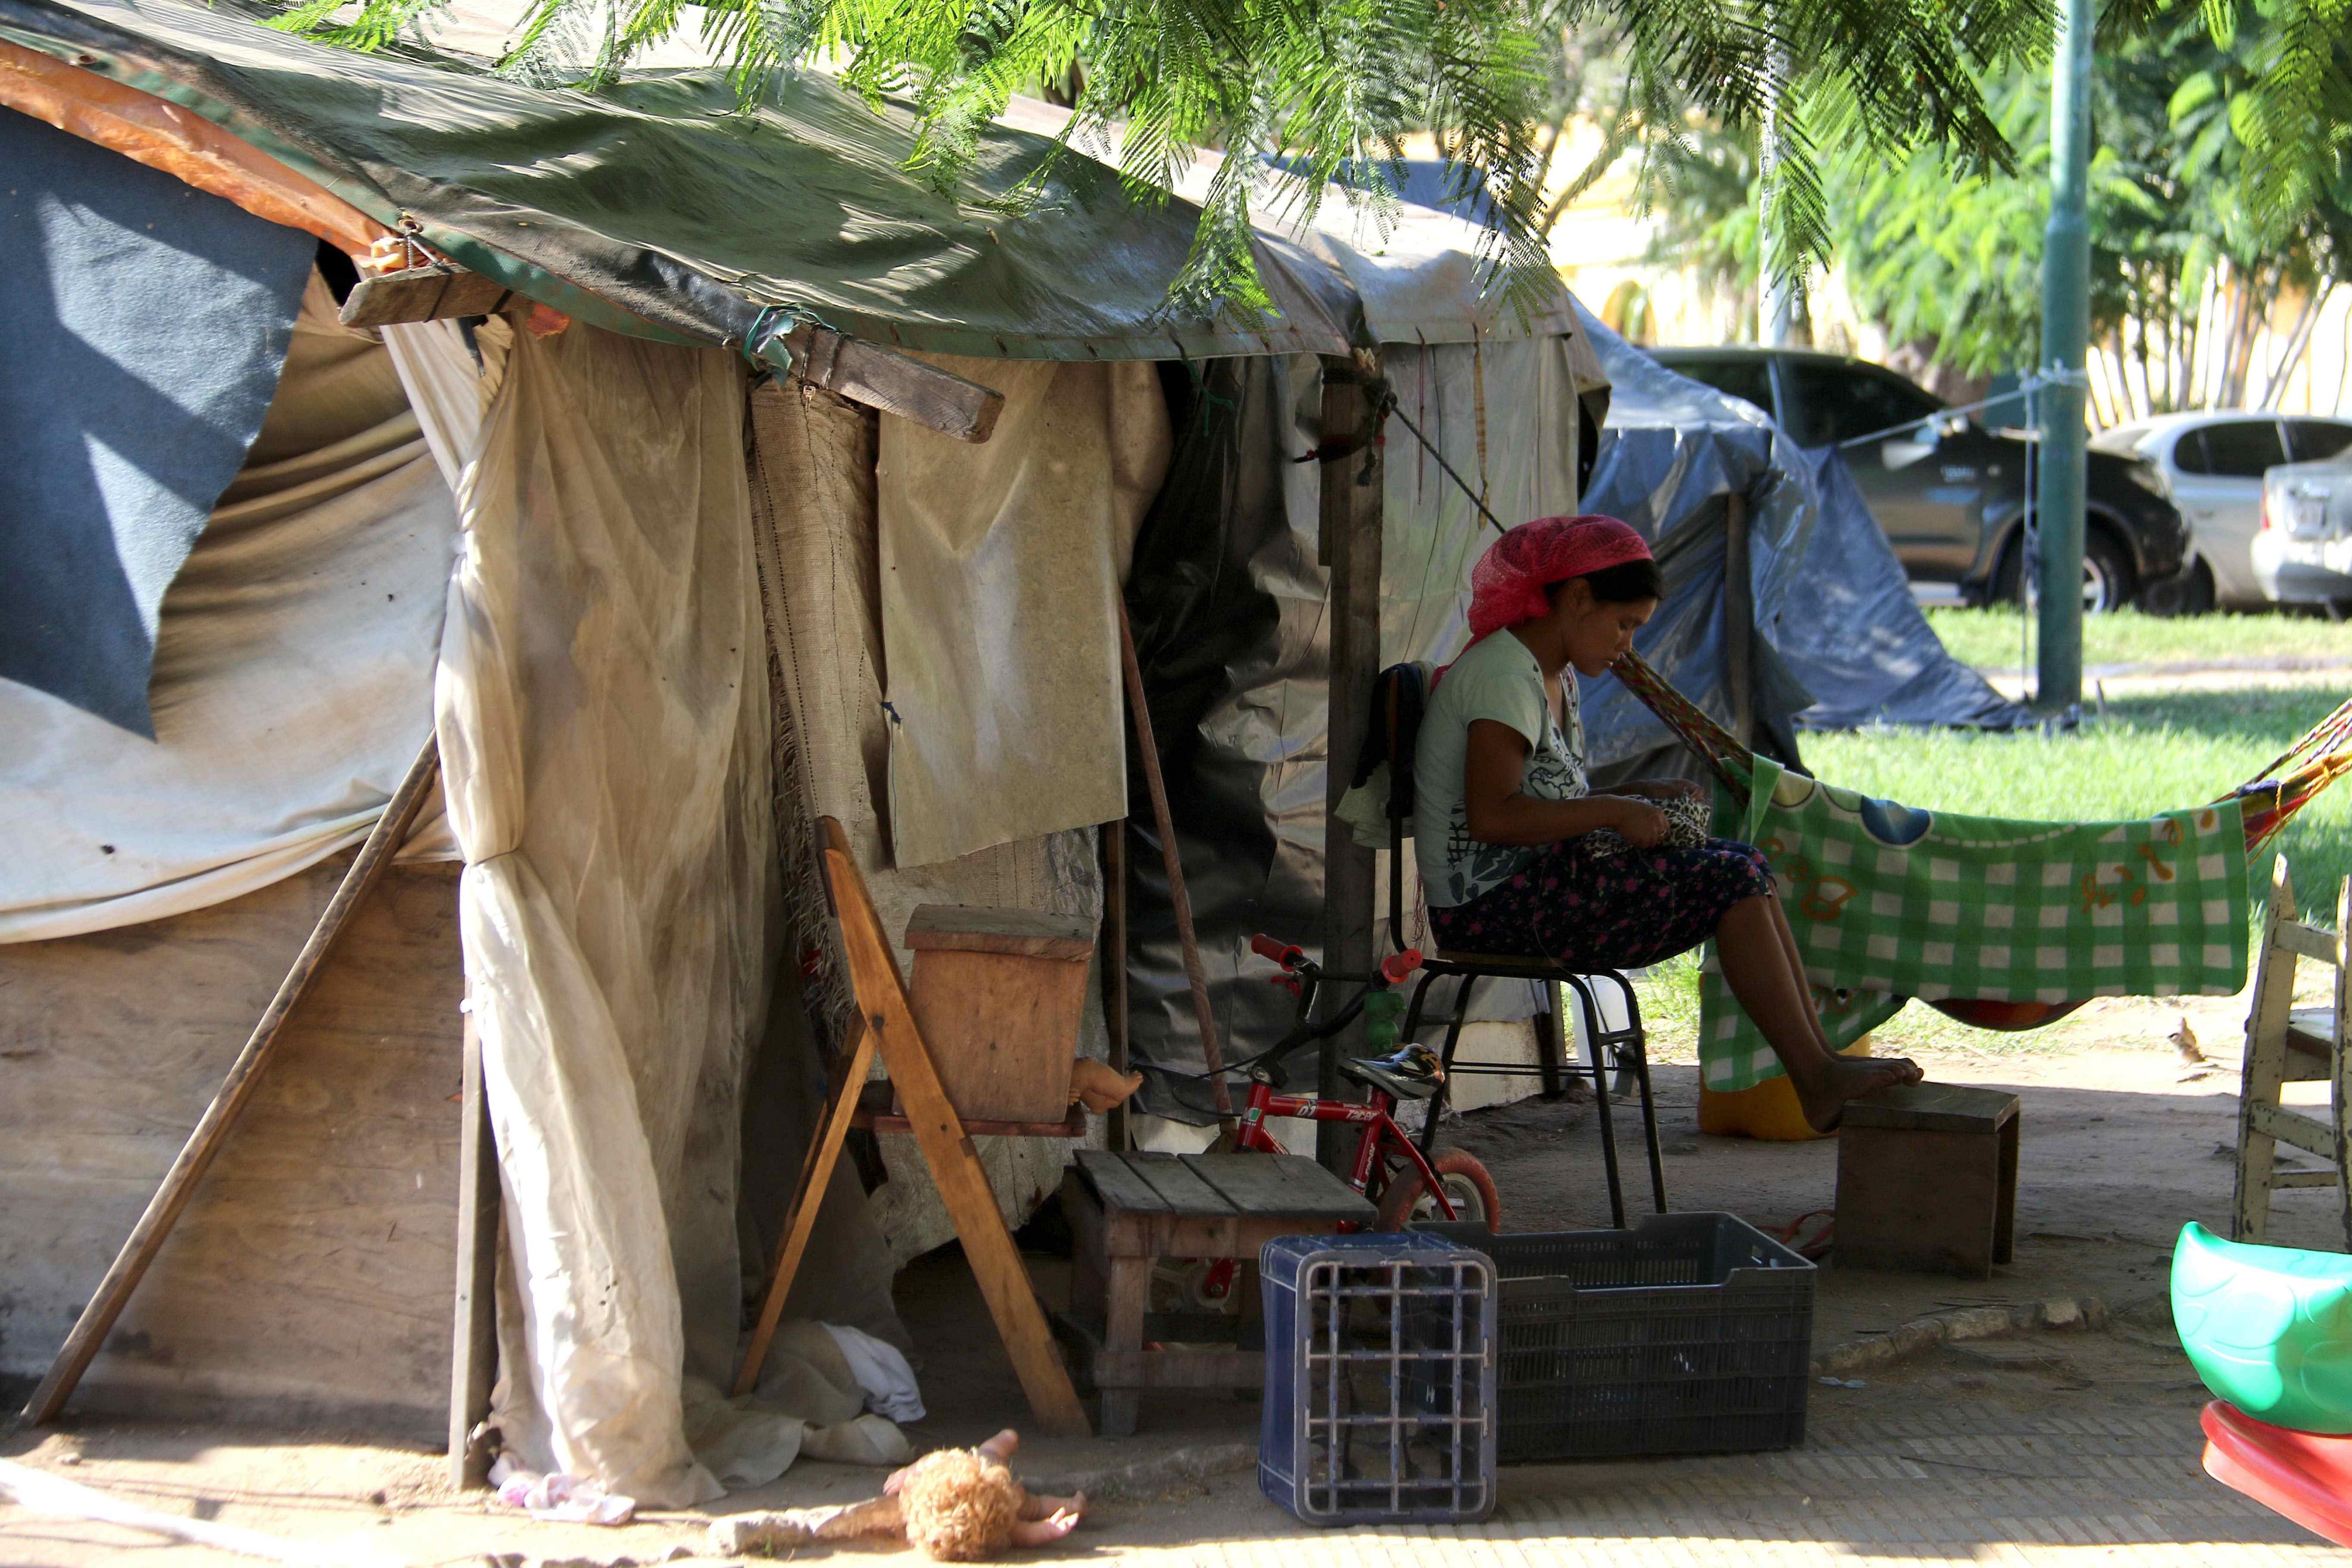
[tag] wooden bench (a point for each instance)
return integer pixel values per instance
(1927, 1180)
(1126, 1211)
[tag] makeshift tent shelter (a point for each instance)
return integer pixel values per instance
(659, 656)
(1785, 607)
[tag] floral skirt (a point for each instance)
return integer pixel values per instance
(1606, 911)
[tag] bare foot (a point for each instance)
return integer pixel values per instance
(1002, 1446)
(1849, 1078)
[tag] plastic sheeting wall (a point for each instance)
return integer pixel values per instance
(603, 720)
(293, 672)
(1230, 601)
(1838, 639)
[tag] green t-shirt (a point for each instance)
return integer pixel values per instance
(1498, 679)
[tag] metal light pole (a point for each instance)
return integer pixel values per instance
(2065, 349)
(1776, 297)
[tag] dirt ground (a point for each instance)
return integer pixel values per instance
(2042, 1444)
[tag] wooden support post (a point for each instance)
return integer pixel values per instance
(808, 1198)
(947, 1149)
(474, 1338)
(1740, 619)
(1114, 962)
(1350, 546)
(163, 1210)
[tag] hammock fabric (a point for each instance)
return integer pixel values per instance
(2266, 802)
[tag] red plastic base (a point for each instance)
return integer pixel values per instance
(2307, 1478)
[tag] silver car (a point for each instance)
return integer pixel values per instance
(2302, 552)
(2212, 466)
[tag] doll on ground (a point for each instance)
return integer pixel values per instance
(957, 1505)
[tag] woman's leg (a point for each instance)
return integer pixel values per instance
(1758, 956)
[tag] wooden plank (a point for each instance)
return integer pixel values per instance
(2305, 942)
(1001, 1029)
(1173, 1178)
(2278, 1121)
(147, 1237)
(1349, 529)
(2303, 1179)
(423, 294)
(955, 1166)
(1026, 933)
(1933, 1108)
(1286, 1186)
(893, 382)
(2264, 1069)
(1178, 1369)
(1119, 1187)
(474, 1335)
(808, 1199)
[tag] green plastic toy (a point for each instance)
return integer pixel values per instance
(2268, 1328)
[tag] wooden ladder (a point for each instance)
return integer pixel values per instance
(2285, 1044)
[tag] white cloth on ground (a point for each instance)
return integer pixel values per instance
(882, 1372)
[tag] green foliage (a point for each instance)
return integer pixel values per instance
(1330, 89)
(1938, 253)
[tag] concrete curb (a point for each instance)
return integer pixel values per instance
(1146, 1478)
(1921, 1334)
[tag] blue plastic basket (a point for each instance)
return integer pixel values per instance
(1379, 1380)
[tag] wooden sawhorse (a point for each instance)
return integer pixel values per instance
(888, 1021)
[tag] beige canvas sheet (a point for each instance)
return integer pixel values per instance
(1000, 571)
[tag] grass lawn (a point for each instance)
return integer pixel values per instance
(1989, 639)
(2149, 753)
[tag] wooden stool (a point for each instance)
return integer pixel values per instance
(1128, 1210)
(1927, 1181)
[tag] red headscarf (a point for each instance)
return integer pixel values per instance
(1507, 584)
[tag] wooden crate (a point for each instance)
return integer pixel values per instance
(998, 994)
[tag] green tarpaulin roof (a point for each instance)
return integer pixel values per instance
(661, 207)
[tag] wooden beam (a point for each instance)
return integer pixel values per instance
(474, 1337)
(431, 293)
(947, 1149)
(1351, 522)
(163, 1210)
(893, 382)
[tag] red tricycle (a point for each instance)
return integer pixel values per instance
(1405, 1185)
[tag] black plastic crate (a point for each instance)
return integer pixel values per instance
(1690, 1333)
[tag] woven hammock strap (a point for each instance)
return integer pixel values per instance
(1716, 746)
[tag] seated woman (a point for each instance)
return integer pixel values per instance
(1503, 810)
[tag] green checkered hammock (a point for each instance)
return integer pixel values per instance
(2002, 925)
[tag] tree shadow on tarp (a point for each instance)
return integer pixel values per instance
(146, 323)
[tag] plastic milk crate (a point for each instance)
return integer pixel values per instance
(1379, 1379)
(1689, 1333)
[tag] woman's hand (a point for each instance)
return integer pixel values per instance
(1642, 824)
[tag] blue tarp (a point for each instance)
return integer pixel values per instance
(145, 324)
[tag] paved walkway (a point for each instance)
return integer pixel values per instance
(1925, 1486)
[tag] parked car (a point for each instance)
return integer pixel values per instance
(2302, 549)
(2212, 466)
(1950, 492)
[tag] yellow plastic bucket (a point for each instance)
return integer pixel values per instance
(1768, 1110)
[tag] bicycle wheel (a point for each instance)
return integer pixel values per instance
(1407, 1201)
